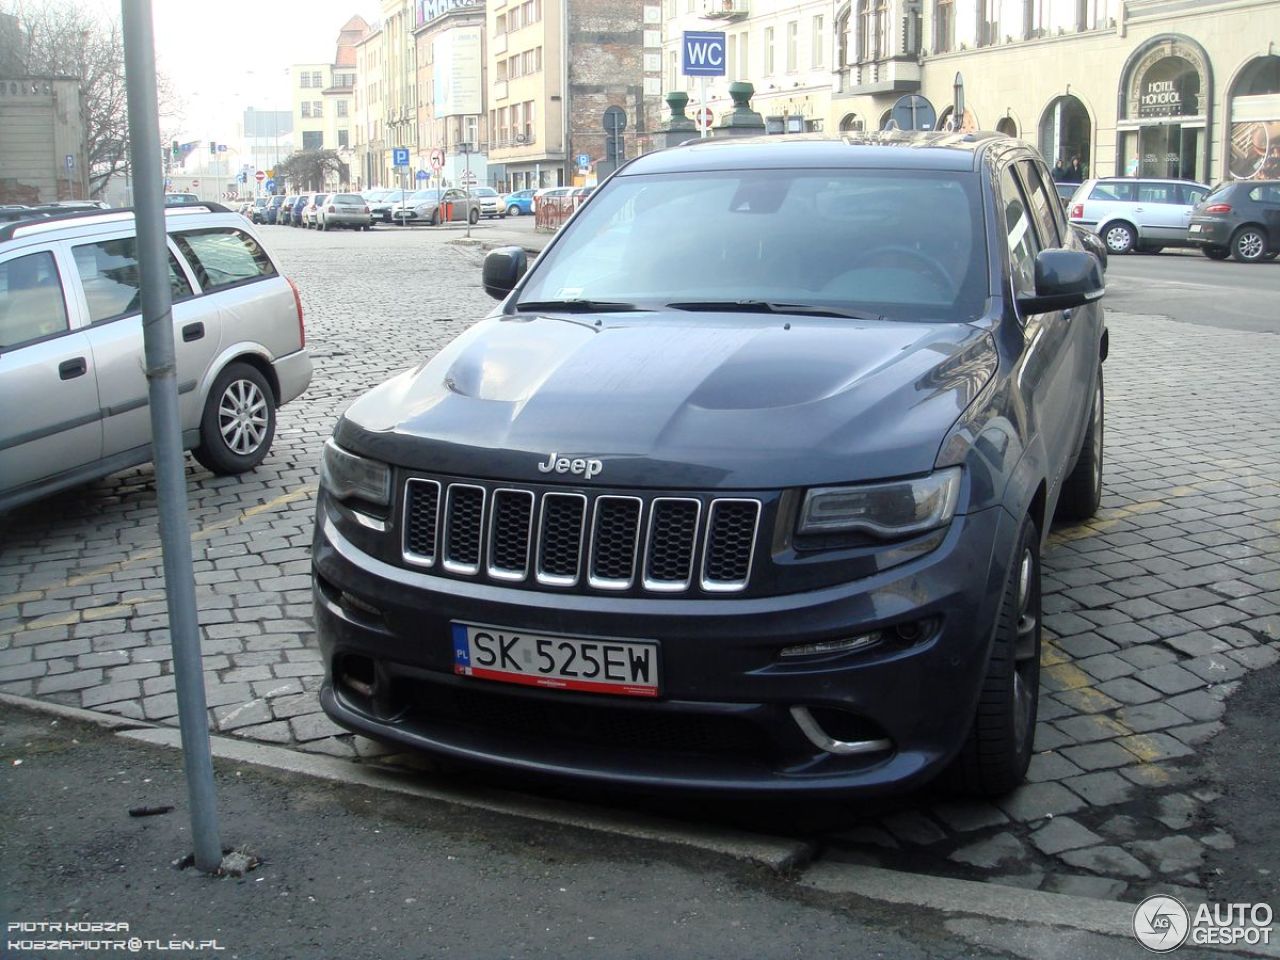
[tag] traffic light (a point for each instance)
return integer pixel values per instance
(213, 146)
(176, 150)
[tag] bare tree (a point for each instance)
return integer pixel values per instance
(308, 169)
(59, 38)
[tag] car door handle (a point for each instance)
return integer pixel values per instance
(1138, 210)
(70, 369)
(192, 332)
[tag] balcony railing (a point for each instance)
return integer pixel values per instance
(514, 140)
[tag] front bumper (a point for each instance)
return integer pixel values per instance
(724, 719)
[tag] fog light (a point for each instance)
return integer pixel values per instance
(823, 647)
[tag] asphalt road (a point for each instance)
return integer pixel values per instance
(1187, 286)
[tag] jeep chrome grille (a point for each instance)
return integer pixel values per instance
(606, 541)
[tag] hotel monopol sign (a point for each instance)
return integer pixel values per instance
(429, 10)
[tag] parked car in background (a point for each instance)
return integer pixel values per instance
(310, 212)
(173, 198)
(552, 193)
(271, 212)
(436, 206)
(519, 203)
(1239, 219)
(72, 378)
(489, 201)
(257, 209)
(380, 201)
(295, 210)
(1137, 213)
(347, 210)
(1065, 192)
(839, 390)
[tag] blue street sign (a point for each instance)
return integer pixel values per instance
(584, 161)
(400, 156)
(422, 175)
(702, 54)
(270, 186)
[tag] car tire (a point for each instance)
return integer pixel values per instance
(435, 218)
(239, 421)
(513, 211)
(997, 751)
(473, 217)
(1152, 250)
(1216, 253)
(1249, 244)
(1082, 490)
(1120, 238)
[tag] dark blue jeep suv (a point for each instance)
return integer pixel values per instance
(743, 486)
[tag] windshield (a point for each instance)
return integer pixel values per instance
(905, 244)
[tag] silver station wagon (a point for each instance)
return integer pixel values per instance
(73, 388)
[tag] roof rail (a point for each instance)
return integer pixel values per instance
(44, 220)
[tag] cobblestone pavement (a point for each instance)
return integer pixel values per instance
(1155, 610)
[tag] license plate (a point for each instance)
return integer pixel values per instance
(1195, 228)
(627, 668)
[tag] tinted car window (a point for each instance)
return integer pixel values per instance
(1113, 191)
(1191, 194)
(109, 275)
(1043, 206)
(223, 257)
(1020, 236)
(347, 198)
(1158, 193)
(901, 243)
(31, 304)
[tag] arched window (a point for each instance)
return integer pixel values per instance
(1007, 126)
(851, 123)
(1066, 139)
(1254, 144)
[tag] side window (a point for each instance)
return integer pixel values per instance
(31, 303)
(1113, 190)
(1021, 238)
(1044, 204)
(1256, 193)
(1157, 193)
(109, 274)
(224, 256)
(1192, 194)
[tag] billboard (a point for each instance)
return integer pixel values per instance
(1255, 137)
(456, 72)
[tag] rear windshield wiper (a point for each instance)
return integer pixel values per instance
(578, 306)
(767, 306)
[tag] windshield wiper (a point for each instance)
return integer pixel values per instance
(578, 306)
(767, 306)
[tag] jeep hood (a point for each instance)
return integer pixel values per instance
(674, 399)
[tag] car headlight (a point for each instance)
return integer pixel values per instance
(888, 511)
(347, 476)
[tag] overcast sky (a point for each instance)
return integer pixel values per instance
(224, 57)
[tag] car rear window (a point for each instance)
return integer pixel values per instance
(1113, 191)
(347, 198)
(906, 244)
(31, 304)
(223, 257)
(109, 275)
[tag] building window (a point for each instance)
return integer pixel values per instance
(819, 54)
(793, 45)
(317, 108)
(500, 25)
(768, 51)
(944, 26)
(502, 70)
(882, 30)
(865, 45)
(312, 139)
(304, 79)
(988, 23)
(317, 80)
(342, 108)
(673, 70)
(744, 55)
(343, 139)
(528, 121)
(306, 108)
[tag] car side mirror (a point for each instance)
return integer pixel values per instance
(503, 269)
(1064, 279)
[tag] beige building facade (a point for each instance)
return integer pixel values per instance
(369, 145)
(452, 80)
(1171, 88)
(527, 90)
